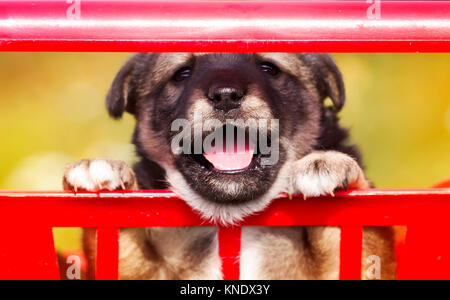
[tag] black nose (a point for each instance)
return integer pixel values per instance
(225, 98)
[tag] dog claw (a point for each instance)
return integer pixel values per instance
(345, 184)
(290, 196)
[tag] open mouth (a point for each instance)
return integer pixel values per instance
(232, 150)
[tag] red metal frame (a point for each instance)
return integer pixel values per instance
(33, 214)
(26, 219)
(185, 26)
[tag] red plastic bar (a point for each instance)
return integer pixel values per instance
(351, 252)
(229, 251)
(107, 254)
(27, 252)
(208, 26)
(37, 212)
(372, 207)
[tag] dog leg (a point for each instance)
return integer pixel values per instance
(321, 173)
(95, 175)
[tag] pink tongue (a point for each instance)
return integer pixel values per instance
(237, 159)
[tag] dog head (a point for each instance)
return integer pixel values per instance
(190, 109)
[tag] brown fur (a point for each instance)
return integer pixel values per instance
(313, 148)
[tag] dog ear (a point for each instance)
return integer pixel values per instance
(328, 78)
(121, 96)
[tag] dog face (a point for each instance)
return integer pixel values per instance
(271, 100)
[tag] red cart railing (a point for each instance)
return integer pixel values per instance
(26, 219)
(189, 26)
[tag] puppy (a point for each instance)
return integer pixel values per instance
(299, 148)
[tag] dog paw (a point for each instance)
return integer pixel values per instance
(99, 174)
(323, 172)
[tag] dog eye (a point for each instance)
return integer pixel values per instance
(182, 74)
(269, 68)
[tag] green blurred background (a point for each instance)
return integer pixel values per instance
(52, 113)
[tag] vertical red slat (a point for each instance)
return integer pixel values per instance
(351, 252)
(406, 267)
(229, 251)
(426, 251)
(426, 254)
(27, 253)
(107, 266)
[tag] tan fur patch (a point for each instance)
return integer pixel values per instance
(164, 254)
(155, 145)
(292, 64)
(167, 64)
(200, 105)
(254, 107)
